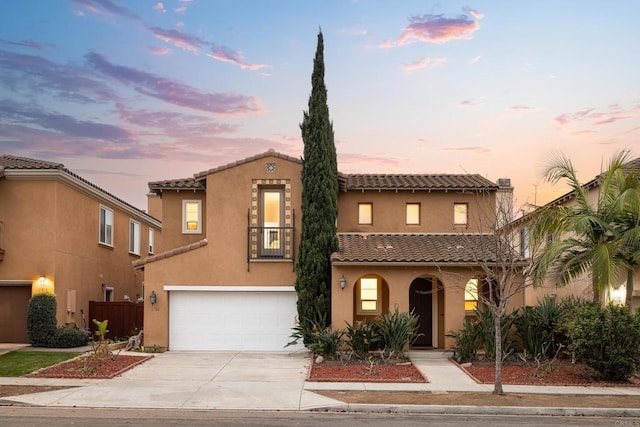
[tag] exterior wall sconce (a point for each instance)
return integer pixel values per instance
(43, 281)
(153, 298)
(343, 282)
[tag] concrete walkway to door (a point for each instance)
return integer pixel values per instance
(195, 380)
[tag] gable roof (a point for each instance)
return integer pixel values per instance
(418, 248)
(24, 167)
(176, 184)
(268, 153)
(420, 182)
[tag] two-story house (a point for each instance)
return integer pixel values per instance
(224, 278)
(61, 234)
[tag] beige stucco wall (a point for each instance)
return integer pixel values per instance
(223, 260)
(436, 211)
(51, 229)
(172, 236)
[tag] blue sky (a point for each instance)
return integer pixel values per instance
(124, 93)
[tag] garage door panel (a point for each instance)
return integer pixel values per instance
(231, 320)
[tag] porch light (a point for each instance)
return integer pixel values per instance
(343, 282)
(153, 298)
(43, 281)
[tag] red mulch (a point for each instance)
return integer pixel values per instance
(562, 373)
(362, 371)
(100, 366)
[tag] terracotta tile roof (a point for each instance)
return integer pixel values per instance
(416, 248)
(176, 184)
(268, 153)
(8, 162)
(417, 182)
(140, 263)
(13, 162)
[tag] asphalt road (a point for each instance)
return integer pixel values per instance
(58, 417)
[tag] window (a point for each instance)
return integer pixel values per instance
(106, 226)
(413, 213)
(460, 213)
(365, 213)
(191, 216)
(271, 217)
(524, 242)
(134, 237)
(471, 295)
(369, 298)
(151, 240)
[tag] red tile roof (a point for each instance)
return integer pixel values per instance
(420, 248)
(176, 184)
(428, 182)
(140, 263)
(268, 153)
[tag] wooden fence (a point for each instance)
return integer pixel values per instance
(124, 317)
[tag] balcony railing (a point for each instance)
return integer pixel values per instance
(264, 243)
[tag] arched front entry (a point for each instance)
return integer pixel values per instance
(426, 300)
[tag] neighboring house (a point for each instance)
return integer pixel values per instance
(61, 234)
(582, 286)
(224, 279)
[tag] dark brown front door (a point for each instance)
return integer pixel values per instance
(420, 300)
(14, 301)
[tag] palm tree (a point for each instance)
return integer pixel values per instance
(590, 236)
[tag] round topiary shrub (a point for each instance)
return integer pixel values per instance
(41, 320)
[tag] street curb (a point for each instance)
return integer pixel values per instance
(483, 410)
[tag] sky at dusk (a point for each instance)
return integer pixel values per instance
(127, 92)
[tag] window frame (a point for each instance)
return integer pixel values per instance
(134, 237)
(406, 219)
(456, 212)
(152, 241)
(525, 244)
(469, 296)
(360, 213)
(103, 226)
(359, 310)
(185, 220)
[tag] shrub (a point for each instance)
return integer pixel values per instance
(486, 332)
(41, 320)
(539, 328)
(362, 337)
(466, 345)
(69, 338)
(317, 338)
(397, 332)
(607, 339)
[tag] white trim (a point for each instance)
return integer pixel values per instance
(198, 229)
(189, 288)
(16, 282)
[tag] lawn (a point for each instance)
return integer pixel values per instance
(18, 363)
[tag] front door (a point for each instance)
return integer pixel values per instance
(420, 302)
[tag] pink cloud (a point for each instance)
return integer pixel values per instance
(468, 103)
(593, 117)
(222, 53)
(78, 12)
(425, 62)
(522, 108)
(472, 149)
(159, 6)
(437, 29)
(179, 39)
(160, 50)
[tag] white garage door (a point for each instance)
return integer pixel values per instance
(225, 318)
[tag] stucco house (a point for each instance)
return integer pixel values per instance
(580, 287)
(61, 234)
(223, 277)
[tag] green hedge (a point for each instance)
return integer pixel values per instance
(41, 320)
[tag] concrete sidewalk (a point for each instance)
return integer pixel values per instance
(276, 382)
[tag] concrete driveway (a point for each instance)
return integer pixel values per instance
(195, 380)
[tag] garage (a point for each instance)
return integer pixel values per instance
(14, 302)
(248, 318)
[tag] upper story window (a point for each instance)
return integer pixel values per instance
(151, 241)
(413, 214)
(460, 213)
(471, 295)
(134, 237)
(369, 296)
(365, 213)
(106, 226)
(192, 216)
(525, 250)
(272, 219)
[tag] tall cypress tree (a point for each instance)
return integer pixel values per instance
(319, 202)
